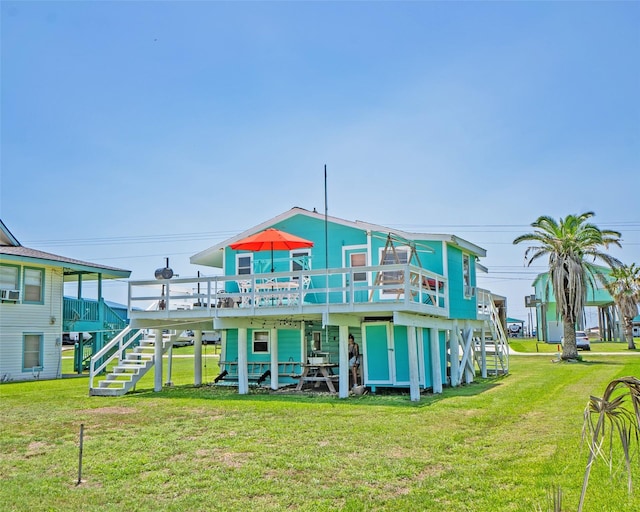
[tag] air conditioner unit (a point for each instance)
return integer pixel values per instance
(13, 295)
(469, 291)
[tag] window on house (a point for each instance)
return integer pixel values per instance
(260, 342)
(300, 260)
(33, 285)
(32, 352)
(395, 276)
(9, 277)
(469, 291)
(244, 263)
(358, 259)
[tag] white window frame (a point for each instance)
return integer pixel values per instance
(16, 283)
(40, 351)
(358, 277)
(297, 253)
(468, 290)
(404, 249)
(241, 270)
(25, 299)
(261, 333)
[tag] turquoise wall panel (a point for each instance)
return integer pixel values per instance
(426, 349)
(377, 353)
(231, 352)
(460, 307)
(443, 356)
(401, 352)
(289, 348)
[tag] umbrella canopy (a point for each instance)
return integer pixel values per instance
(271, 239)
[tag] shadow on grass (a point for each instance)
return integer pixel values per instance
(388, 397)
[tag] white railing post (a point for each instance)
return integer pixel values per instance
(414, 378)
(157, 356)
(436, 368)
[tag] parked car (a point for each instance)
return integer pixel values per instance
(582, 341)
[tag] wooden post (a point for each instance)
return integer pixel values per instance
(170, 365)
(197, 357)
(469, 369)
(157, 359)
(343, 351)
(483, 351)
(243, 373)
(80, 454)
(274, 359)
(454, 355)
(414, 380)
(436, 366)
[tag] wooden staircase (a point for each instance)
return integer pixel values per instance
(496, 345)
(118, 367)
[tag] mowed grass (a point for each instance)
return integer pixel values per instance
(495, 445)
(529, 345)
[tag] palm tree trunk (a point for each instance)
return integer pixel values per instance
(569, 348)
(628, 333)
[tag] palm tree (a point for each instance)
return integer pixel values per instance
(568, 244)
(625, 290)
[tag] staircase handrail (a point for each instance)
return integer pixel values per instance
(501, 335)
(122, 342)
(111, 317)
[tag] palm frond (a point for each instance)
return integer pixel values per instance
(608, 419)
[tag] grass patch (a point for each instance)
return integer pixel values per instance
(530, 345)
(497, 444)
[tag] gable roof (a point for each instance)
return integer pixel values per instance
(6, 238)
(12, 251)
(213, 255)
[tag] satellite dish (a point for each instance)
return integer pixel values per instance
(164, 273)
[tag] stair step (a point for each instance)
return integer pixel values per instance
(114, 384)
(119, 377)
(131, 359)
(128, 369)
(107, 391)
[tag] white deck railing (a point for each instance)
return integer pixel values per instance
(361, 285)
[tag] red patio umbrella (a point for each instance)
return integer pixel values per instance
(271, 239)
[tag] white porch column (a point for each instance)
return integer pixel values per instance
(469, 369)
(157, 361)
(274, 359)
(343, 351)
(454, 354)
(169, 365)
(414, 380)
(243, 374)
(483, 352)
(197, 357)
(436, 367)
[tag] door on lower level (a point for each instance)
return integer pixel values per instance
(386, 353)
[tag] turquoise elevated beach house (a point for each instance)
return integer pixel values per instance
(409, 300)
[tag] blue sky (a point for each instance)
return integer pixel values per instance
(134, 131)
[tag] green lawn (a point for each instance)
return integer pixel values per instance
(495, 445)
(528, 345)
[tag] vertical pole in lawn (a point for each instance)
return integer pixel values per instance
(326, 239)
(80, 455)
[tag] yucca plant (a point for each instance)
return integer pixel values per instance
(610, 415)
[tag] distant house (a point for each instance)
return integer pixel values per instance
(410, 300)
(34, 315)
(550, 327)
